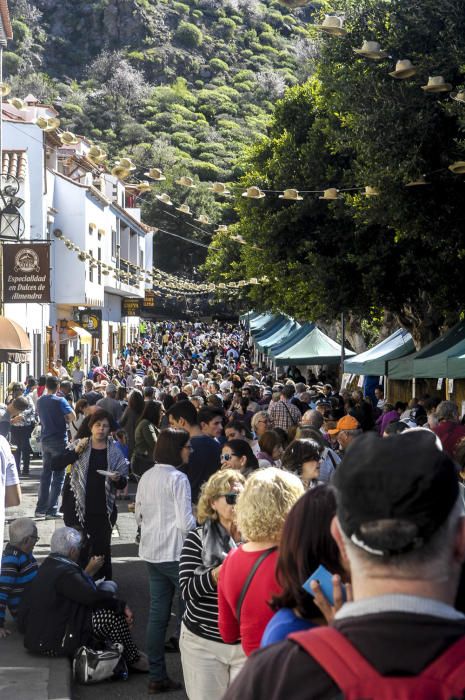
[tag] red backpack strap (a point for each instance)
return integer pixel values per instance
(337, 656)
(449, 668)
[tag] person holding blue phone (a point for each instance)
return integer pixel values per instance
(306, 545)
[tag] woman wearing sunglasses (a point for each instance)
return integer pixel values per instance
(237, 454)
(209, 665)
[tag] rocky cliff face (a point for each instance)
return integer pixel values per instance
(77, 31)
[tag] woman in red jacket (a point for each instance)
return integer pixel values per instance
(247, 577)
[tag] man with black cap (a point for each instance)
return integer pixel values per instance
(400, 529)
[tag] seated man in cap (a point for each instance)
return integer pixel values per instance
(400, 529)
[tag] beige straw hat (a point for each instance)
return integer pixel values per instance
(436, 83)
(371, 49)
(332, 24)
(291, 195)
(165, 198)
(330, 194)
(253, 193)
(185, 181)
(155, 174)
(404, 69)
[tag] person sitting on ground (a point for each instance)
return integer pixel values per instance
(271, 449)
(237, 454)
(62, 609)
(262, 508)
(209, 665)
(306, 543)
(18, 567)
(400, 528)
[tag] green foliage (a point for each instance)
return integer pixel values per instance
(217, 64)
(11, 62)
(189, 35)
(352, 124)
(180, 8)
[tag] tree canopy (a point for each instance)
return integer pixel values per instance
(353, 125)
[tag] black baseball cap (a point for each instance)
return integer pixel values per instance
(405, 480)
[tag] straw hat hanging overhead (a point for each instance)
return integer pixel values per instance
(404, 69)
(458, 96)
(165, 199)
(126, 163)
(371, 191)
(291, 196)
(332, 24)
(155, 174)
(202, 219)
(67, 138)
(16, 102)
(253, 193)
(120, 172)
(96, 154)
(184, 209)
(143, 186)
(419, 182)
(221, 229)
(458, 168)
(5, 89)
(371, 49)
(330, 194)
(219, 188)
(436, 83)
(186, 182)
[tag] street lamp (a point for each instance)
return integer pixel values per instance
(11, 221)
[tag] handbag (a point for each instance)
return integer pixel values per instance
(93, 665)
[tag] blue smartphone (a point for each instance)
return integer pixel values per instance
(325, 579)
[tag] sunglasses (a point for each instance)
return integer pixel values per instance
(227, 457)
(230, 498)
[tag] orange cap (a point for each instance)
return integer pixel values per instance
(345, 423)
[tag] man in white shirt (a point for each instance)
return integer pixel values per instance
(62, 372)
(10, 490)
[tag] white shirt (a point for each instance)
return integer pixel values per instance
(62, 372)
(8, 477)
(164, 512)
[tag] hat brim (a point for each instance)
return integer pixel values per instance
(454, 96)
(290, 199)
(457, 171)
(375, 55)
(334, 431)
(403, 74)
(157, 179)
(335, 31)
(160, 199)
(253, 196)
(330, 199)
(445, 87)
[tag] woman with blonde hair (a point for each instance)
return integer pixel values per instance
(209, 665)
(247, 580)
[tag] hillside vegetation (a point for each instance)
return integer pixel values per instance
(167, 82)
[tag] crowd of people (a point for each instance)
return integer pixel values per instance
(282, 519)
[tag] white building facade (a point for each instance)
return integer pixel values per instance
(80, 210)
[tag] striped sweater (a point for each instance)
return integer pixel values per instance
(198, 590)
(18, 569)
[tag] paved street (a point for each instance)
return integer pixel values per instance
(131, 576)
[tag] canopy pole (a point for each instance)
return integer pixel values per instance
(343, 333)
(413, 387)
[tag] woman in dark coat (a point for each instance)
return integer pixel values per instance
(89, 495)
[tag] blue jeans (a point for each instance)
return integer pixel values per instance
(164, 583)
(51, 482)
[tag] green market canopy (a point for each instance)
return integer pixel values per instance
(315, 348)
(262, 322)
(434, 360)
(281, 331)
(373, 362)
(292, 339)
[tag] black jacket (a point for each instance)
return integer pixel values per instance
(55, 613)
